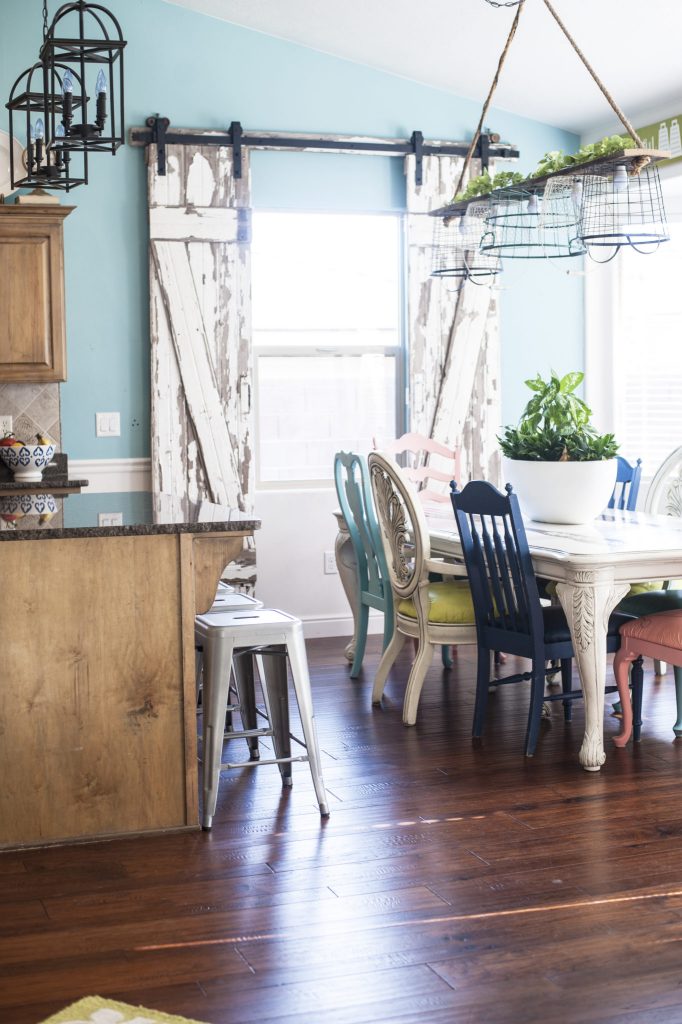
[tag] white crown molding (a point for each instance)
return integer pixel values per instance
(112, 475)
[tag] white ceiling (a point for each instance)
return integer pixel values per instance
(454, 45)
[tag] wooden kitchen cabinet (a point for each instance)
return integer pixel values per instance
(32, 327)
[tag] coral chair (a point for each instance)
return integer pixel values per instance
(657, 636)
(373, 588)
(430, 612)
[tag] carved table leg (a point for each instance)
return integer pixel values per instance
(588, 600)
(348, 571)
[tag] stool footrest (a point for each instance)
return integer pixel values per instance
(270, 760)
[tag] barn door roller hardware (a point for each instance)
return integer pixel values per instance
(158, 132)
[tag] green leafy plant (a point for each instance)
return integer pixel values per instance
(555, 425)
(554, 160)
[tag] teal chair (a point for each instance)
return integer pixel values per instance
(374, 589)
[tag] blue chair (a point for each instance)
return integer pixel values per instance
(374, 589)
(625, 492)
(509, 615)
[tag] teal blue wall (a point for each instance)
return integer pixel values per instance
(201, 72)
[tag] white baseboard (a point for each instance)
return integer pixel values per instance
(337, 625)
(112, 475)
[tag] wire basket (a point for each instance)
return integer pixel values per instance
(523, 224)
(621, 207)
(456, 245)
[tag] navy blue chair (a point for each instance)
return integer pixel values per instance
(374, 589)
(625, 492)
(509, 615)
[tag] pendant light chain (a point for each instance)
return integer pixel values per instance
(44, 20)
(489, 97)
(619, 113)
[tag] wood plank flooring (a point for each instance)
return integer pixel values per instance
(452, 883)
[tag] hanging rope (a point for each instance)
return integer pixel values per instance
(496, 79)
(642, 161)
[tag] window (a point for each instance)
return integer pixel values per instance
(327, 339)
(647, 354)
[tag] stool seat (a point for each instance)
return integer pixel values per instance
(234, 636)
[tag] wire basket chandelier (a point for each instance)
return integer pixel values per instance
(621, 209)
(521, 224)
(456, 247)
(597, 207)
(51, 109)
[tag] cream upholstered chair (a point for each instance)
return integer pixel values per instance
(432, 613)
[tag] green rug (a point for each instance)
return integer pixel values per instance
(95, 1010)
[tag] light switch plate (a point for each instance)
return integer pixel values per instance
(108, 424)
(110, 519)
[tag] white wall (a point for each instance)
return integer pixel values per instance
(298, 527)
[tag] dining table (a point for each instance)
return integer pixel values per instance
(594, 566)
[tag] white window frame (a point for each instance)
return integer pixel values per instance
(603, 285)
(398, 352)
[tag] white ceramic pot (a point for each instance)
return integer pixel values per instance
(561, 492)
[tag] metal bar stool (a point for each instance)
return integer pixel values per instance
(231, 638)
(229, 599)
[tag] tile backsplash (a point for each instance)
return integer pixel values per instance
(34, 408)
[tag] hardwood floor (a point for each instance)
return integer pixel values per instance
(452, 883)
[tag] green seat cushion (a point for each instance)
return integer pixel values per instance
(641, 588)
(650, 602)
(451, 604)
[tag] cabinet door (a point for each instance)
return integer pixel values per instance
(32, 331)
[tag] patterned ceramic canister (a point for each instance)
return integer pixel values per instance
(27, 461)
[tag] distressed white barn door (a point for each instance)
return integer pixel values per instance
(200, 293)
(454, 352)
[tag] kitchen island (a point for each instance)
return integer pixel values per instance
(98, 696)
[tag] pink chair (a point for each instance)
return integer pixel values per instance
(657, 636)
(430, 477)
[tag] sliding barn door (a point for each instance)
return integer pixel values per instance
(201, 364)
(454, 354)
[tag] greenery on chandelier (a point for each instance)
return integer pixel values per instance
(551, 162)
(555, 425)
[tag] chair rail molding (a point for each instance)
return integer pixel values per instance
(110, 475)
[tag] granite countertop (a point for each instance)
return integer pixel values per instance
(142, 513)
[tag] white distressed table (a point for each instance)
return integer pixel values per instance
(593, 566)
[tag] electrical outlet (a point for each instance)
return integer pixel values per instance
(5, 425)
(330, 563)
(108, 424)
(110, 519)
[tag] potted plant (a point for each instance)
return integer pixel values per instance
(562, 469)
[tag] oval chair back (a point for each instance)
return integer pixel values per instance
(625, 492)
(402, 525)
(374, 591)
(664, 496)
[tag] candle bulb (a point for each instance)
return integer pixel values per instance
(39, 135)
(67, 98)
(101, 90)
(59, 134)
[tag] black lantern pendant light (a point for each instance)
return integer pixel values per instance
(86, 39)
(51, 104)
(35, 122)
